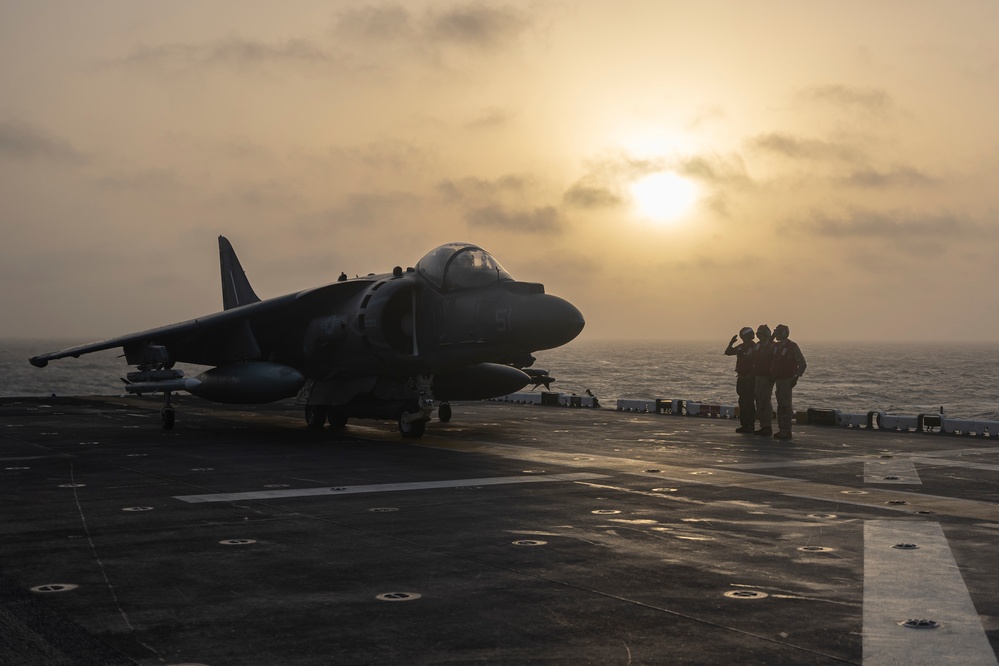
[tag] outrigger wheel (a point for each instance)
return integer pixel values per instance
(444, 412)
(167, 414)
(167, 417)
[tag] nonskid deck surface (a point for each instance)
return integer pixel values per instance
(513, 534)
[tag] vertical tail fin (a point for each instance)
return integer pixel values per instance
(236, 289)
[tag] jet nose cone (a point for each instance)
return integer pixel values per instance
(543, 321)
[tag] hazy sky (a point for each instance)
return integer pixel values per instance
(675, 169)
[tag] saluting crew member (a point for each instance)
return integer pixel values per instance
(745, 382)
(762, 356)
(787, 367)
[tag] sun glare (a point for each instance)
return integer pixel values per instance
(664, 195)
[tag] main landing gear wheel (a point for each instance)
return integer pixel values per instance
(337, 418)
(444, 412)
(315, 416)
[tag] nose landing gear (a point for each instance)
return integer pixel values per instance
(412, 425)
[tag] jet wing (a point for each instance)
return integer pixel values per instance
(220, 337)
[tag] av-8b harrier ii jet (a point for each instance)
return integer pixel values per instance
(455, 327)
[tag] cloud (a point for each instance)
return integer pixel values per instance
(156, 181)
(582, 195)
(604, 185)
(716, 170)
(243, 150)
(706, 115)
(365, 38)
(787, 145)
(540, 220)
(900, 176)
(873, 100)
(387, 23)
(499, 203)
(391, 154)
(491, 118)
(231, 52)
(476, 26)
(470, 28)
(893, 226)
(269, 193)
(605, 179)
(471, 190)
(25, 142)
(363, 211)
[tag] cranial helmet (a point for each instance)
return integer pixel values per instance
(782, 332)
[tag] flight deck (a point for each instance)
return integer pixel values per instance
(513, 534)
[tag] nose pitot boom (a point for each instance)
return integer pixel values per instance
(543, 321)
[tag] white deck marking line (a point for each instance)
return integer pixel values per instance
(961, 452)
(723, 476)
(920, 584)
(934, 461)
(55, 456)
(812, 462)
(903, 472)
(384, 487)
(931, 457)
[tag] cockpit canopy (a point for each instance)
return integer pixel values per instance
(460, 266)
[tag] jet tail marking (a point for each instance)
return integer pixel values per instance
(236, 289)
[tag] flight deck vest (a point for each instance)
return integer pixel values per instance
(744, 360)
(785, 363)
(762, 355)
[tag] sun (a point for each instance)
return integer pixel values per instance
(664, 195)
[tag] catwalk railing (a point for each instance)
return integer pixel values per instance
(872, 420)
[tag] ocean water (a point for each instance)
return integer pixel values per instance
(91, 374)
(852, 377)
